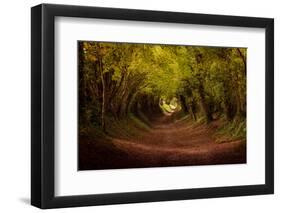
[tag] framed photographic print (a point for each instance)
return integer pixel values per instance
(140, 106)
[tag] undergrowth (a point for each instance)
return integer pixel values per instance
(229, 131)
(129, 127)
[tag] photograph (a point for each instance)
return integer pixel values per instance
(144, 105)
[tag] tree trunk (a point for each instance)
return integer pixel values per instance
(192, 110)
(183, 104)
(103, 92)
(228, 106)
(204, 104)
(193, 114)
(122, 104)
(243, 59)
(131, 98)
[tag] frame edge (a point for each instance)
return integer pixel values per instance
(42, 126)
(36, 50)
(269, 116)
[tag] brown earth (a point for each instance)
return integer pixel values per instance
(168, 143)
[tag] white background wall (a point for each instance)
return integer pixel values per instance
(15, 106)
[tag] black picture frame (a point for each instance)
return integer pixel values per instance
(43, 117)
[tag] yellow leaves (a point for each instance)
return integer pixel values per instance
(91, 57)
(102, 51)
(165, 67)
(86, 45)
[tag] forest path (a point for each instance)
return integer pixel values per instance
(180, 143)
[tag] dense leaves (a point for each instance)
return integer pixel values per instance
(119, 79)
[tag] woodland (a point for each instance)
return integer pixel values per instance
(152, 105)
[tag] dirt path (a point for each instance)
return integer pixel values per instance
(170, 144)
(181, 143)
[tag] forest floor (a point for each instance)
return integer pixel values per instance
(167, 143)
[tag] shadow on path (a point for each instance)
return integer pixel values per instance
(168, 143)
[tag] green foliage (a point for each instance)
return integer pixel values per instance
(118, 80)
(234, 130)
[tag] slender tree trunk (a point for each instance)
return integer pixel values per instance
(192, 110)
(103, 104)
(228, 106)
(122, 104)
(82, 99)
(193, 114)
(183, 104)
(103, 93)
(243, 59)
(204, 104)
(131, 98)
(239, 106)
